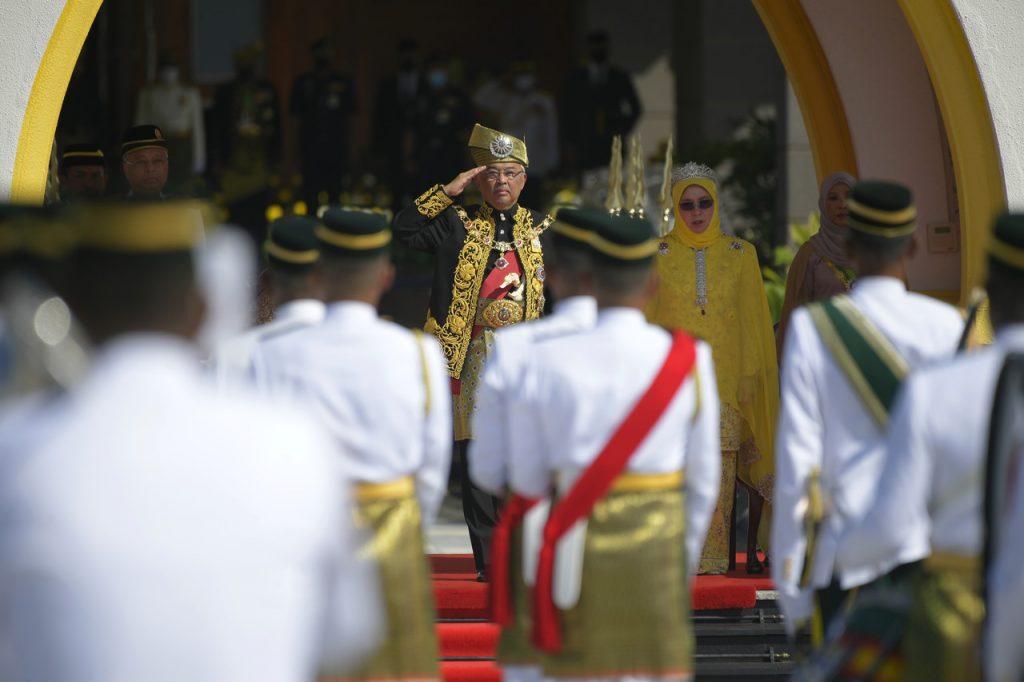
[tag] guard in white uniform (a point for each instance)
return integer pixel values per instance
(630, 410)
(928, 504)
(151, 529)
(498, 423)
(296, 295)
(382, 392)
(1004, 488)
(842, 364)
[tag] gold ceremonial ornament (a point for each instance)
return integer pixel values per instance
(636, 189)
(666, 190)
(502, 312)
(613, 202)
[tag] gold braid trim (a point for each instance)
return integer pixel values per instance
(433, 202)
(468, 278)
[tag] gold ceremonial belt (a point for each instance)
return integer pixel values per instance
(641, 483)
(497, 313)
(957, 563)
(392, 490)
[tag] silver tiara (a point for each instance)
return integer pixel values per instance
(692, 169)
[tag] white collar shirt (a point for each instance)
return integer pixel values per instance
(232, 363)
(823, 425)
(362, 378)
(497, 420)
(152, 529)
(583, 386)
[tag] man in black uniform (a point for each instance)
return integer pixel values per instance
(488, 273)
(145, 162)
(598, 103)
(83, 172)
(444, 114)
(395, 120)
(322, 104)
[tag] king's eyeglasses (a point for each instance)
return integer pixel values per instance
(704, 204)
(493, 175)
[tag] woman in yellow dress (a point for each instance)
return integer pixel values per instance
(711, 287)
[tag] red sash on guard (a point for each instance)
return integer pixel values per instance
(491, 288)
(502, 610)
(597, 478)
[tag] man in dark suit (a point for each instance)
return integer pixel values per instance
(599, 102)
(394, 121)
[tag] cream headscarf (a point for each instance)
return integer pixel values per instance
(830, 239)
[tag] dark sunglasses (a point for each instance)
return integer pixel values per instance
(703, 204)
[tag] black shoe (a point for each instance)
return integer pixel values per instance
(481, 577)
(754, 565)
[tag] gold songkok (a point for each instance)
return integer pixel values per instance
(493, 146)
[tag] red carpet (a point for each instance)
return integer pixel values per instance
(460, 598)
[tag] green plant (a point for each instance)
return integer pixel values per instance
(775, 277)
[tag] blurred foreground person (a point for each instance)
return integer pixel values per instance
(625, 418)
(151, 529)
(1004, 487)
(382, 393)
(83, 172)
(844, 360)
(569, 276)
(928, 506)
(296, 292)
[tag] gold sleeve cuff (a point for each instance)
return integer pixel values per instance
(433, 202)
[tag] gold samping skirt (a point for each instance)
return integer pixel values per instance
(633, 615)
(943, 635)
(391, 513)
(514, 646)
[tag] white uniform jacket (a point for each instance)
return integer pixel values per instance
(383, 396)
(232, 363)
(824, 425)
(580, 389)
(153, 529)
(497, 421)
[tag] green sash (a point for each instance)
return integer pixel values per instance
(874, 368)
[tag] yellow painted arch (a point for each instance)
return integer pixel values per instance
(811, 76)
(969, 128)
(35, 141)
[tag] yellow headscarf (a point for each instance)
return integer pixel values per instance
(681, 232)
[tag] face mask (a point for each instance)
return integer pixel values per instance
(168, 75)
(525, 82)
(437, 79)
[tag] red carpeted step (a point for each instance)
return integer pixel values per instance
(470, 671)
(477, 640)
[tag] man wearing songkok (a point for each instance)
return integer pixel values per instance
(625, 427)
(843, 362)
(928, 504)
(145, 162)
(488, 273)
(1004, 474)
(83, 172)
(567, 251)
(152, 529)
(296, 294)
(382, 392)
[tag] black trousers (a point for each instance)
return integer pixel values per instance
(479, 508)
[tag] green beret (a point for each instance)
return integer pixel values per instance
(292, 244)
(615, 239)
(570, 232)
(1006, 244)
(140, 226)
(82, 155)
(493, 146)
(882, 209)
(142, 137)
(353, 231)
(40, 232)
